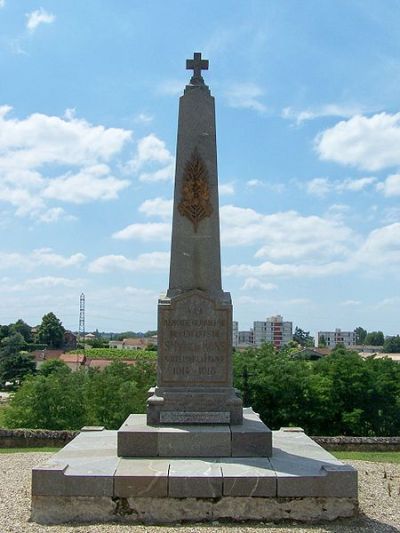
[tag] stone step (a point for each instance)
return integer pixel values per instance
(251, 439)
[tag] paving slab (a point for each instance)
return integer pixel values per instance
(303, 468)
(248, 476)
(194, 478)
(84, 467)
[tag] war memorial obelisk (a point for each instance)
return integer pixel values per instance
(194, 382)
(197, 454)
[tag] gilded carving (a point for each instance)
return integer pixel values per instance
(195, 201)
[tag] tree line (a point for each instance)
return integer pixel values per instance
(340, 394)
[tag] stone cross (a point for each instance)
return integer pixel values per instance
(197, 65)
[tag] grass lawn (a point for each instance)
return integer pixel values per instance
(28, 450)
(375, 457)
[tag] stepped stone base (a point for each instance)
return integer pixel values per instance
(87, 482)
(250, 439)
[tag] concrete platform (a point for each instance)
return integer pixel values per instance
(251, 439)
(87, 482)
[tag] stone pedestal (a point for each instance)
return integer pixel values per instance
(250, 439)
(194, 378)
(87, 482)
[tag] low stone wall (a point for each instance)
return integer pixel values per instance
(34, 438)
(359, 444)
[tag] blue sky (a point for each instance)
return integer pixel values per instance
(308, 132)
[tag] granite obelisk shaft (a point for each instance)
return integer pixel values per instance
(195, 252)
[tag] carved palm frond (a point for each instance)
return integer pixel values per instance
(195, 201)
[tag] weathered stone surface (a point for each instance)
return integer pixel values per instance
(88, 471)
(251, 439)
(194, 441)
(248, 477)
(85, 467)
(305, 469)
(137, 439)
(141, 478)
(56, 510)
(194, 478)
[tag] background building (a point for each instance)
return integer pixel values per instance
(245, 339)
(235, 333)
(332, 338)
(274, 330)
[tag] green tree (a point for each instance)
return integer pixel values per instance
(55, 401)
(51, 331)
(57, 398)
(361, 333)
(374, 338)
(16, 367)
(392, 344)
(22, 327)
(11, 345)
(4, 332)
(303, 337)
(53, 366)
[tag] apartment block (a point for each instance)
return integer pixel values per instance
(274, 330)
(332, 338)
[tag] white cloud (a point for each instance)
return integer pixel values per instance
(254, 283)
(144, 118)
(302, 235)
(138, 291)
(152, 153)
(369, 143)
(328, 110)
(32, 150)
(322, 186)
(245, 96)
(53, 214)
(269, 269)
(162, 174)
(39, 257)
(172, 87)
(358, 184)
(91, 183)
(318, 187)
(274, 187)
(294, 245)
(47, 282)
(157, 207)
(2, 3)
(41, 139)
(350, 303)
(40, 16)
(144, 262)
(254, 183)
(226, 189)
(391, 186)
(151, 231)
(382, 247)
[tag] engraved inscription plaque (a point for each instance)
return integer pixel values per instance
(194, 342)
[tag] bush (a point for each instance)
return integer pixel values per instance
(60, 399)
